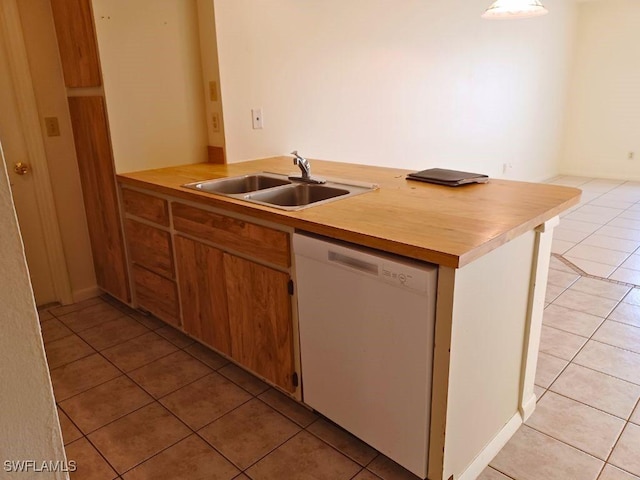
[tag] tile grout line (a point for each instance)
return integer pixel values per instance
(587, 405)
(345, 454)
(629, 254)
(103, 456)
(260, 458)
(196, 432)
(501, 472)
(582, 273)
(570, 362)
(615, 444)
(565, 443)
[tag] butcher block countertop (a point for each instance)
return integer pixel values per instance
(450, 226)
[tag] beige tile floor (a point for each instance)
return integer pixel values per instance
(587, 421)
(138, 400)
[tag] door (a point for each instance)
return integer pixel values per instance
(202, 293)
(260, 319)
(22, 186)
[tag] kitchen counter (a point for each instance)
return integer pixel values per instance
(492, 243)
(444, 225)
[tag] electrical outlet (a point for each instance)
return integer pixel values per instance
(215, 122)
(631, 155)
(506, 167)
(52, 127)
(256, 115)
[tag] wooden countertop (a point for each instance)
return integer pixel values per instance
(438, 224)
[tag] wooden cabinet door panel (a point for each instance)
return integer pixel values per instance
(157, 295)
(202, 292)
(73, 21)
(146, 206)
(150, 247)
(99, 190)
(248, 238)
(260, 319)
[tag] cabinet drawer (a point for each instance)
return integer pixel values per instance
(145, 206)
(150, 247)
(156, 294)
(256, 241)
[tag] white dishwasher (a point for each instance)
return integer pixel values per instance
(366, 322)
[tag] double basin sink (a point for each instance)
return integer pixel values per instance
(279, 191)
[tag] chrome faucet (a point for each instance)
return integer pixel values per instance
(305, 170)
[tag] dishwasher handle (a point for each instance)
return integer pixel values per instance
(352, 262)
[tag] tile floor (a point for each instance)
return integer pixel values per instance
(587, 421)
(138, 400)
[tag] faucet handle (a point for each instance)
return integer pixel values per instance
(297, 158)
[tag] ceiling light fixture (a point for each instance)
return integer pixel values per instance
(503, 9)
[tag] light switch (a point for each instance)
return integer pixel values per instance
(52, 126)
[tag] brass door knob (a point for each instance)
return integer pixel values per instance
(21, 168)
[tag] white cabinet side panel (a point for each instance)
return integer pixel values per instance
(491, 297)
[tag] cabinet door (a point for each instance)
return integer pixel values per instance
(260, 319)
(76, 41)
(91, 137)
(202, 292)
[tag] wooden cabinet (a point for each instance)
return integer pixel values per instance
(262, 243)
(73, 21)
(75, 32)
(150, 247)
(156, 294)
(227, 285)
(91, 137)
(260, 319)
(203, 293)
(234, 304)
(151, 255)
(147, 207)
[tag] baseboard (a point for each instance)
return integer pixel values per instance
(492, 448)
(626, 177)
(528, 407)
(86, 293)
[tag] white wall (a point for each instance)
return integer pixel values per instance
(409, 83)
(150, 56)
(603, 122)
(30, 428)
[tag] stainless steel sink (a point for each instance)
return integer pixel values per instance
(297, 195)
(243, 184)
(275, 190)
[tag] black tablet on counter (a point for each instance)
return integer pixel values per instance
(452, 178)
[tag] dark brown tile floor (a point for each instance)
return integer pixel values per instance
(139, 400)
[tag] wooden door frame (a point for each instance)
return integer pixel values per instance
(29, 120)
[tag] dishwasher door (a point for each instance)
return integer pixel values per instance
(366, 323)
